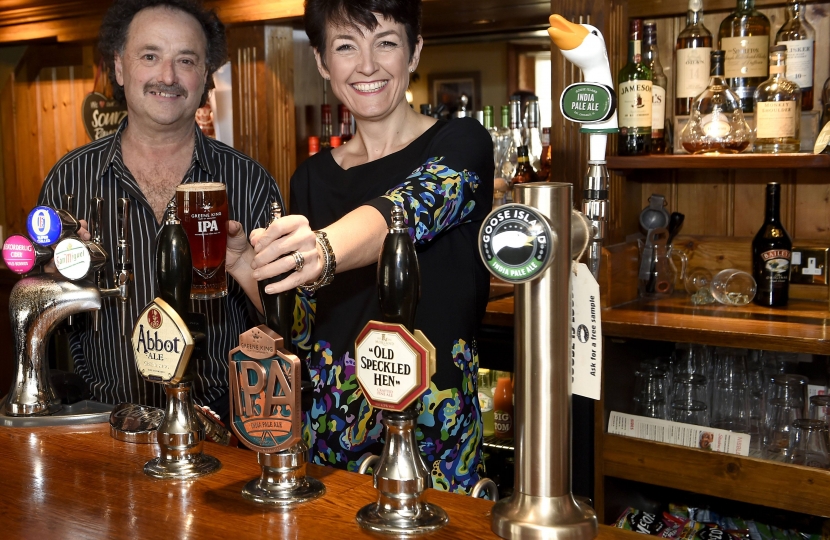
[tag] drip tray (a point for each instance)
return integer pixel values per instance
(82, 412)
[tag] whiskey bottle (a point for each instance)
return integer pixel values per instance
(692, 52)
(524, 171)
(777, 109)
(716, 124)
(771, 249)
(799, 37)
(634, 97)
(658, 90)
(327, 131)
(744, 36)
(544, 169)
(532, 137)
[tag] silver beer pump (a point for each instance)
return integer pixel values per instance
(38, 303)
(166, 339)
(533, 243)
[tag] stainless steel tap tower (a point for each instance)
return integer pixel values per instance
(542, 506)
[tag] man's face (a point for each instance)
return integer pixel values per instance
(162, 67)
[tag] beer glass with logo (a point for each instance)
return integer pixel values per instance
(203, 211)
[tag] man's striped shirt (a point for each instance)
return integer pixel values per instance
(104, 359)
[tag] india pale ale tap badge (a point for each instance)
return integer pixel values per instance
(516, 243)
(265, 392)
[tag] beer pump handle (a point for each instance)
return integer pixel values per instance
(68, 203)
(399, 277)
(278, 308)
(174, 263)
(96, 214)
(123, 261)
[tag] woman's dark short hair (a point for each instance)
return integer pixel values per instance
(113, 35)
(360, 13)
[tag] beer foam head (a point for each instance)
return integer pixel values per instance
(201, 186)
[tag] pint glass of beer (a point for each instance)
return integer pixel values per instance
(203, 211)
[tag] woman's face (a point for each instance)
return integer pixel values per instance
(369, 70)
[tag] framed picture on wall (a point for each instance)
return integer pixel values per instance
(446, 90)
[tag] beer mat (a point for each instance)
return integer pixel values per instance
(700, 437)
(135, 423)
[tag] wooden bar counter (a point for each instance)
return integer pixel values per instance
(78, 482)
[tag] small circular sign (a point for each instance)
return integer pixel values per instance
(19, 254)
(588, 102)
(72, 259)
(516, 243)
(44, 225)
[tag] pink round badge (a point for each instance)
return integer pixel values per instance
(19, 254)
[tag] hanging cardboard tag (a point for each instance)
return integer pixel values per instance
(586, 334)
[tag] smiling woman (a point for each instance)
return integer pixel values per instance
(441, 175)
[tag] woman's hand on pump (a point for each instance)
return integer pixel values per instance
(275, 248)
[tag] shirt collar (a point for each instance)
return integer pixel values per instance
(203, 152)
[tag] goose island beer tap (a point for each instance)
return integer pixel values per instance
(394, 367)
(265, 393)
(165, 338)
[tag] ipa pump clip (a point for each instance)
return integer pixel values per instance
(584, 46)
(79, 260)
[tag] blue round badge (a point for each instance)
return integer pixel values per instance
(44, 225)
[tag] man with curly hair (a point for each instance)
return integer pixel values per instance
(161, 56)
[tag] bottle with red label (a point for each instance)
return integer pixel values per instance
(503, 407)
(771, 249)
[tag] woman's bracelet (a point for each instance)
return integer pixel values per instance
(329, 265)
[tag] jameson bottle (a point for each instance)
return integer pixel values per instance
(771, 254)
(658, 90)
(693, 64)
(744, 36)
(799, 37)
(278, 308)
(634, 97)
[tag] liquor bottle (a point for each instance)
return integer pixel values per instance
(426, 109)
(658, 90)
(771, 254)
(799, 37)
(505, 168)
(503, 407)
(278, 308)
(345, 117)
(544, 170)
(693, 64)
(532, 138)
(524, 172)
(716, 124)
(516, 138)
(494, 133)
(485, 401)
(313, 145)
(744, 36)
(335, 141)
(825, 100)
(327, 131)
(777, 108)
(634, 95)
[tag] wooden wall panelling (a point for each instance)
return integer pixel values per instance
(703, 196)
(10, 143)
(812, 206)
(262, 59)
(44, 104)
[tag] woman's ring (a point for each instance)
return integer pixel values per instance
(299, 261)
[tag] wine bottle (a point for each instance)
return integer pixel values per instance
(345, 123)
(694, 44)
(634, 95)
(799, 37)
(327, 129)
(651, 58)
(771, 249)
(532, 138)
(744, 36)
